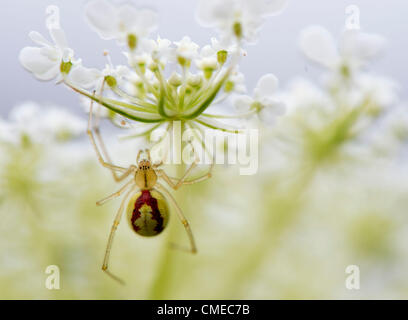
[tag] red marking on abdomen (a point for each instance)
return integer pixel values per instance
(147, 198)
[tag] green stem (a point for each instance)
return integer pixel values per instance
(289, 206)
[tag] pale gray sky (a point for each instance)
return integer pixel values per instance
(276, 51)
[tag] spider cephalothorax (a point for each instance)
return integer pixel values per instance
(147, 209)
(145, 176)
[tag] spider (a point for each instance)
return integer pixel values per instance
(147, 209)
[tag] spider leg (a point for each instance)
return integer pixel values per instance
(111, 237)
(183, 181)
(107, 164)
(138, 156)
(154, 165)
(115, 194)
(193, 248)
(157, 165)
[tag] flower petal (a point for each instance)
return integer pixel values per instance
(243, 103)
(262, 8)
(360, 45)
(139, 22)
(128, 16)
(266, 86)
(319, 46)
(58, 35)
(24, 112)
(40, 65)
(84, 77)
(102, 17)
(49, 74)
(211, 12)
(269, 113)
(274, 7)
(148, 19)
(39, 39)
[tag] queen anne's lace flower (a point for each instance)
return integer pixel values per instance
(164, 81)
(125, 23)
(45, 61)
(93, 78)
(160, 50)
(31, 123)
(186, 49)
(237, 19)
(264, 102)
(355, 49)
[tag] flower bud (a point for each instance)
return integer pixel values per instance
(65, 67)
(175, 79)
(184, 62)
(229, 86)
(132, 41)
(194, 80)
(237, 27)
(222, 56)
(208, 73)
(154, 67)
(111, 81)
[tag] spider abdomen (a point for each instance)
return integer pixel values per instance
(148, 213)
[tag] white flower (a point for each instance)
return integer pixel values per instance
(305, 95)
(23, 122)
(236, 82)
(29, 122)
(160, 49)
(263, 101)
(381, 90)
(119, 23)
(45, 61)
(207, 58)
(186, 49)
(355, 49)
(93, 78)
(140, 60)
(237, 18)
(61, 124)
(216, 54)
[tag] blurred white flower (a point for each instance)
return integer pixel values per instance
(237, 19)
(124, 23)
(354, 51)
(216, 54)
(31, 123)
(45, 61)
(380, 90)
(302, 93)
(236, 82)
(160, 49)
(93, 78)
(186, 49)
(62, 124)
(23, 123)
(264, 101)
(207, 58)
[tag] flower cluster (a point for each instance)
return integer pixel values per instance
(164, 80)
(30, 123)
(346, 60)
(332, 121)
